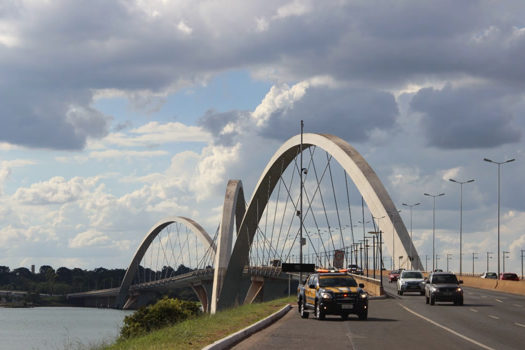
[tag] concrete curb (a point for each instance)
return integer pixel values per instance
(227, 342)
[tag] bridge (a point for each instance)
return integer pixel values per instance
(309, 204)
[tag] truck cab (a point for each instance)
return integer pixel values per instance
(332, 294)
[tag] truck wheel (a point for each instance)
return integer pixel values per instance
(318, 312)
(460, 301)
(421, 293)
(400, 292)
(363, 315)
(302, 312)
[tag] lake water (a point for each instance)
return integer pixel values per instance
(57, 328)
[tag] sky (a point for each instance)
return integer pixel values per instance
(116, 114)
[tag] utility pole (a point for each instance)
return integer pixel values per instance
(489, 257)
(449, 256)
(426, 262)
(474, 257)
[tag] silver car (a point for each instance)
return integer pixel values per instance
(411, 281)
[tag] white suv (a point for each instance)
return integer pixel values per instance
(411, 281)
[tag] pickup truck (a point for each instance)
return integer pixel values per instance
(332, 294)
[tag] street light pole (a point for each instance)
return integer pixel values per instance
(499, 202)
(474, 257)
(505, 256)
(378, 233)
(449, 256)
(301, 210)
(434, 263)
(489, 257)
(522, 251)
(411, 236)
(461, 183)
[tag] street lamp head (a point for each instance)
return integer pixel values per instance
(417, 204)
(452, 180)
(488, 160)
(471, 180)
(426, 194)
(510, 160)
(441, 194)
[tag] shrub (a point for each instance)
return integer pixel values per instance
(164, 313)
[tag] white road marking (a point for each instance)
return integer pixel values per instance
(494, 317)
(448, 329)
(499, 301)
(473, 310)
(519, 324)
(517, 305)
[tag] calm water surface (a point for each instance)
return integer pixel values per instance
(58, 327)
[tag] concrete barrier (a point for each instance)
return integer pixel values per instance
(372, 286)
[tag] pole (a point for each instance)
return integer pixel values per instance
(426, 262)
(474, 257)
(434, 262)
(301, 208)
(448, 258)
(522, 263)
(374, 254)
(380, 261)
(504, 257)
(499, 166)
(411, 258)
(499, 202)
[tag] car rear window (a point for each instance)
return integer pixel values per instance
(444, 279)
(510, 275)
(412, 275)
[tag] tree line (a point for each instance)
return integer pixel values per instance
(64, 280)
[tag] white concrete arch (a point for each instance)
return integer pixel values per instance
(363, 176)
(146, 242)
(233, 212)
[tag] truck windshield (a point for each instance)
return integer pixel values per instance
(337, 282)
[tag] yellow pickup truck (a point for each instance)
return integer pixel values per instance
(332, 294)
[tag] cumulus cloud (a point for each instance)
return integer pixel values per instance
(466, 117)
(88, 238)
(55, 191)
(57, 55)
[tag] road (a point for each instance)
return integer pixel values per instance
(488, 320)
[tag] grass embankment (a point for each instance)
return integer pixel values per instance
(198, 332)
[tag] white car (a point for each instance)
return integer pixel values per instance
(411, 281)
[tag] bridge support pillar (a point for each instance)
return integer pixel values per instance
(255, 289)
(201, 293)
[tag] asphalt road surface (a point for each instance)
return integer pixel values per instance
(487, 320)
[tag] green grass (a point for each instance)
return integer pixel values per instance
(203, 330)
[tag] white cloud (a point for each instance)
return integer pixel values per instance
(294, 8)
(88, 238)
(55, 191)
(184, 28)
